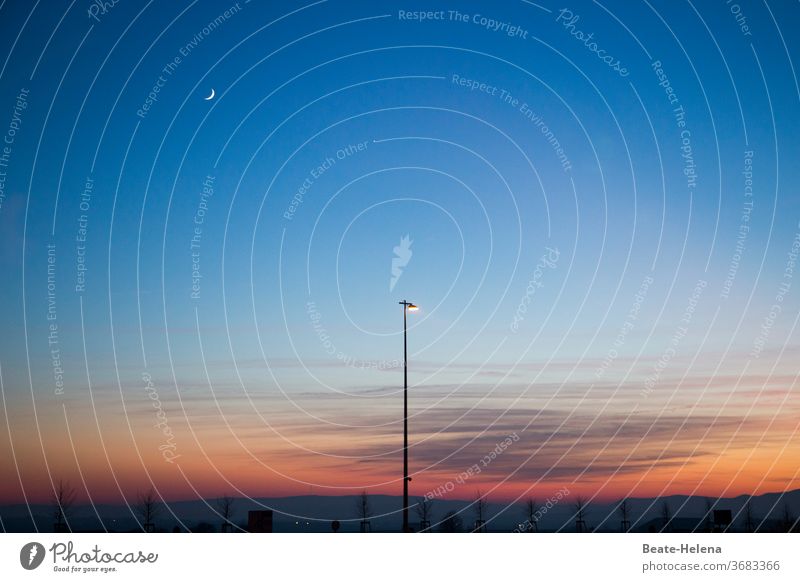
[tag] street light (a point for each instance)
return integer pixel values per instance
(406, 308)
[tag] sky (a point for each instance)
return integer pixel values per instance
(595, 208)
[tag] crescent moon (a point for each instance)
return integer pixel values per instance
(210, 97)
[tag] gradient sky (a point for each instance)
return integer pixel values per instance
(283, 376)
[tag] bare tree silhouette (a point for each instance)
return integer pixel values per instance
(580, 506)
(425, 512)
(531, 512)
(63, 497)
(225, 507)
(364, 511)
(708, 518)
(451, 523)
(749, 518)
(666, 516)
(148, 508)
(788, 520)
(625, 516)
(480, 513)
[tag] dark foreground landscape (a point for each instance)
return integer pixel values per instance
(771, 512)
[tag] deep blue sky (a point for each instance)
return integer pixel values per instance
(475, 184)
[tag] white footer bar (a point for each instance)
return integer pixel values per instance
(379, 557)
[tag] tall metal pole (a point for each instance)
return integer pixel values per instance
(405, 418)
(406, 305)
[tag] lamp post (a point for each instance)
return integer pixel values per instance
(407, 306)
